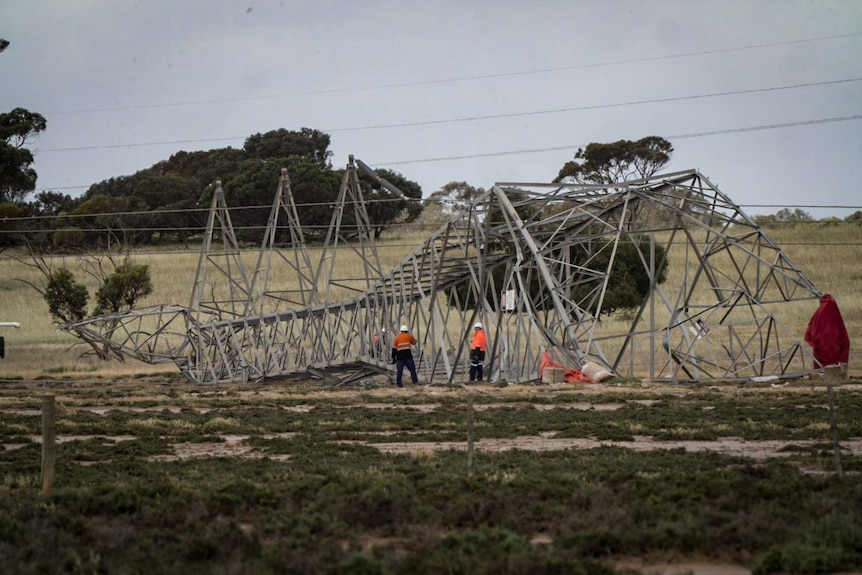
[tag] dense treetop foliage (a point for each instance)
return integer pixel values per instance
(168, 202)
(617, 161)
(17, 127)
(282, 143)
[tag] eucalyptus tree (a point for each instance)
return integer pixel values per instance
(17, 129)
(617, 161)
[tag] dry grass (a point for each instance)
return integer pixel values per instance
(829, 255)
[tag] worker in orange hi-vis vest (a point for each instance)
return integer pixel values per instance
(478, 347)
(379, 342)
(402, 354)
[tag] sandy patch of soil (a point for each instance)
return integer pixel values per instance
(758, 450)
(24, 412)
(305, 408)
(184, 451)
(67, 438)
(524, 398)
(297, 408)
(233, 446)
(103, 410)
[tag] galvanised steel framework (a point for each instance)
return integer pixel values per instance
(541, 265)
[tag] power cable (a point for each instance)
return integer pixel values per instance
(71, 218)
(593, 107)
(576, 146)
(204, 210)
(471, 78)
(477, 118)
(195, 248)
(369, 201)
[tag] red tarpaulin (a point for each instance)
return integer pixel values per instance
(571, 375)
(827, 335)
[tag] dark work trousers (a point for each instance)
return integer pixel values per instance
(399, 368)
(477, 364)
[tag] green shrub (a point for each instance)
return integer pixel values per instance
(831, 544)
(66, 298)
(360, 564)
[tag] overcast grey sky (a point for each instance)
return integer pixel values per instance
(401, 84)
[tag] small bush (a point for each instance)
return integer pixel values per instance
(831, 544)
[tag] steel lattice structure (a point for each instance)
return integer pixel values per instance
(536, 263)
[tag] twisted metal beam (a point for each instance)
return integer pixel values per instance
(533, 262)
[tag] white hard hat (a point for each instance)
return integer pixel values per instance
(404, 328)
(478, 325)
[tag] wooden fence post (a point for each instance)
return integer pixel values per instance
(833, 425)
(470, 447)
(49, 449)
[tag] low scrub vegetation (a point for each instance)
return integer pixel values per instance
(299, 482)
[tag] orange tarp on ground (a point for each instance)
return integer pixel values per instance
(571, 375)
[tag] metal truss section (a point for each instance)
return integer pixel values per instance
(283, 230)
(221, 285)
(544, 267)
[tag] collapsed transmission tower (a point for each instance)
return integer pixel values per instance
(543, 266)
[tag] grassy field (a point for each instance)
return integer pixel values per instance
(830, 255)
(39, 349)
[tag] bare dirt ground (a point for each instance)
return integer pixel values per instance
(235, 445)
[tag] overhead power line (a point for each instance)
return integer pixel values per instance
(268, 206)
(593, 107)
(205, 209)
(576, 146)
(142, 144)
(481, 118)
(195, 250)
(456, 79)
(122, 227)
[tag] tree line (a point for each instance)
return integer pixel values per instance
(168, 201)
